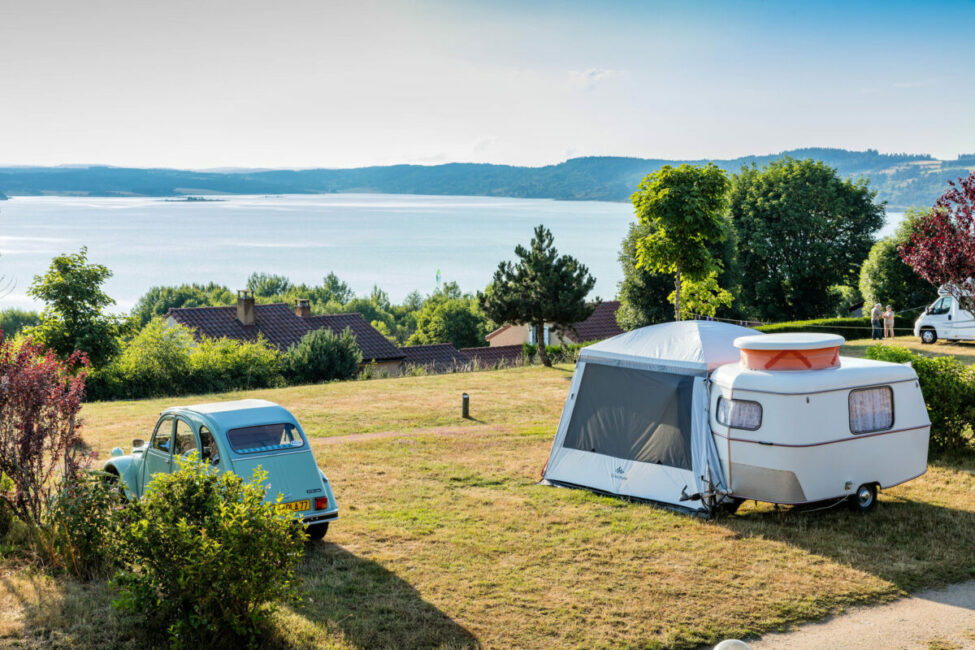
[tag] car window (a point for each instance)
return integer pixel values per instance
(210, 451)
(162, 438)
(185, 438)
(267, 437)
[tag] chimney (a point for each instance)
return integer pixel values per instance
(245, 307)
(302, 308)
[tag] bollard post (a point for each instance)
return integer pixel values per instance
(465, 406)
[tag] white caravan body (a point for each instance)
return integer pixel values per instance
(702, 414)
(808, 445)
(945, 319)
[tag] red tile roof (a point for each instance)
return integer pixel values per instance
(600, 325)
(373, 344)
(283, 328)
(499, 355)
(440, 357)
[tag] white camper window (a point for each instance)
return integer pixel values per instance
(871, 409)
(739, 414)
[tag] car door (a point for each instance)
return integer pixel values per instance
(185, 442)
(939, 316)
(159, 455)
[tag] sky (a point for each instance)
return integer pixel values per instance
(313, 83)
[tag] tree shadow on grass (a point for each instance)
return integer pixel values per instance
(911, 544)
(368, 606)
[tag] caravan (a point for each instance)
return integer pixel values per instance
(704, 415)
(945, 319)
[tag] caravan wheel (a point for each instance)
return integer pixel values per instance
(729, 507)
(928, 336)
(865, 498)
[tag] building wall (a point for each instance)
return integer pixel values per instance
(518, 334)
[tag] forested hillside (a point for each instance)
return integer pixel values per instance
(900, 179)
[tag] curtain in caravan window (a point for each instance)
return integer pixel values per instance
(871, 409)
(633, 414)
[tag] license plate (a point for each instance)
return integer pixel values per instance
(295, 506)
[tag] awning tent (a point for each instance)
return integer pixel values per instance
(635, 422)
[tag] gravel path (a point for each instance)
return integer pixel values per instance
(937, 619)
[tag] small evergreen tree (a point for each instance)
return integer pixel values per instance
(541, 288)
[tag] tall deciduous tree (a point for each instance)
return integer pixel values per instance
(681, 208)
(942, 245)
(644, 295)
(74, 318)
(886, 279)
(801, 229)
(542, 287)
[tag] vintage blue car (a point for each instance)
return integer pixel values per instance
(236, 437)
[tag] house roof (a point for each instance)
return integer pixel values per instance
(283, 328)
(499, 355)
(442, 356)
(600, 325)
(374, 345)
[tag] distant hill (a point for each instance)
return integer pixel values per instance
(901, 179)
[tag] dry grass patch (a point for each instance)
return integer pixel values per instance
(447, 540)
(515, 396)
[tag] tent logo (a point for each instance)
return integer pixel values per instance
(620, 471)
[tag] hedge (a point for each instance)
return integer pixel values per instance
(848, 328)
(948, 386)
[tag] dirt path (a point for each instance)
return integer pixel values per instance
(936, 619)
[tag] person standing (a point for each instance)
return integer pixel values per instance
(876, 322)
(889, 323)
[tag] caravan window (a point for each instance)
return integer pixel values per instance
(739, 414)
(871, 409)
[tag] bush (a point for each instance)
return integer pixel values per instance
(556, 353)
(949, 393)
(205, 556)
(321, 355)
(848, 328)
(40, 442)
(166, 359)
(80, 527)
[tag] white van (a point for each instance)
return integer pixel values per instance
(945, 319)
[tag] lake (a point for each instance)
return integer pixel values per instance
(397, 242)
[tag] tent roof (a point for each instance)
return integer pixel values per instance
(691, 347)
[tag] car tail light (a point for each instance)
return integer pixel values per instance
(321, 503)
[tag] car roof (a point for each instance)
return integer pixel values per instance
(237, 413)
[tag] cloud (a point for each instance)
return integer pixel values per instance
(588, 79)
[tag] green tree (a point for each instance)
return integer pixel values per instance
(159, 300)
(12, 321)
(885, 279)
(334, 290)
(74, 317)
(457, 321)
(682, 209)
(267, 285)
(645, 296)
(801, 230)
(701, 297)
(541, 288)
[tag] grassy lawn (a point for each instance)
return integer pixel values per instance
(447, 541)
(965, 351)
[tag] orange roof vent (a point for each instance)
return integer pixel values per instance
(792, 351)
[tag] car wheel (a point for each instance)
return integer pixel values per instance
(864, 499)
(316, 532)
(928, 336)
